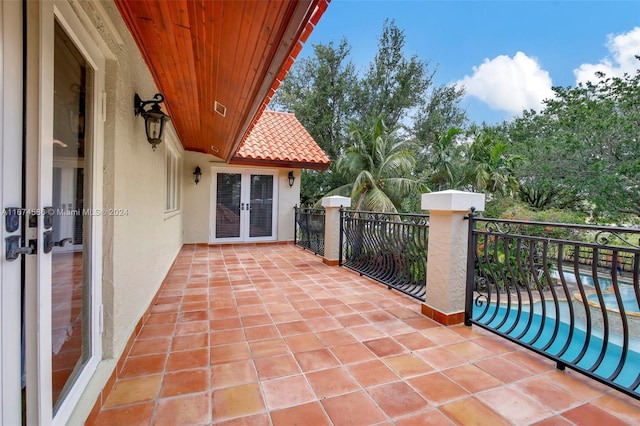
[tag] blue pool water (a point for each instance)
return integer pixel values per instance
(569, 344)
(627, 295)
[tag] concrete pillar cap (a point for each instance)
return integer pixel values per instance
(336, 201)
(452, 200)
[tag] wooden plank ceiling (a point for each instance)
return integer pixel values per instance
(232, 52)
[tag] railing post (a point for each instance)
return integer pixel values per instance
(295, 223)
(445, 298)
(332, 227)
(471, 264)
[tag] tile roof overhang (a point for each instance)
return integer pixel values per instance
(234, 53)
(279, 139)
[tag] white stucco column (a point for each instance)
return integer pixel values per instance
(447, 258)
(332, 227)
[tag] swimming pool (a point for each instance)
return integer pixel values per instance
(550, 331)
(627, 296)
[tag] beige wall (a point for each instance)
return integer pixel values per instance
(140, 247)
(197, 198)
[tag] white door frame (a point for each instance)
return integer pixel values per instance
(41, 17)
(245, 195)
(11, 84)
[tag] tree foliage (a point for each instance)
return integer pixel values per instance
(378, 166)
(583, 148)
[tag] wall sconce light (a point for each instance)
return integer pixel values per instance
(292, 179)
(197, 173)
(154, 118)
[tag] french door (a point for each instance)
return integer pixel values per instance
(244, 206)
(61, 286)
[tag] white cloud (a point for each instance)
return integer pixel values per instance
(622, 49)
(509, 84)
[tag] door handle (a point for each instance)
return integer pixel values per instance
(13, 248)
(62, 242)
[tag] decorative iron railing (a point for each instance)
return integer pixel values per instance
(560, 291)
(388, 247)
(309, 229)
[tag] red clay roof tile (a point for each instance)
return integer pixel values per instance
(279, 139)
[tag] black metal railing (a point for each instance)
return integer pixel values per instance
(560, 291)
(309, 229)
(387, 247)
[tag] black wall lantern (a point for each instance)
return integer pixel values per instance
(154, 118)
(292, 179)
(197, 174)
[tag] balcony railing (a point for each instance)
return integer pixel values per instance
(309, 229)
(568, 292)
(387, 247)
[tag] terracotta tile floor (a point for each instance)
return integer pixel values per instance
(269, 335)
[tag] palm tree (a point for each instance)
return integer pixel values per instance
(379, 165)
(490, 167)
(443, 161)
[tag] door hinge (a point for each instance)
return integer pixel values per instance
(104, 106)
(100, 318)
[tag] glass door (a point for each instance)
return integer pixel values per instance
(62, 309)
(244, 207)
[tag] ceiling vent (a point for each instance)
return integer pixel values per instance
(220, 109)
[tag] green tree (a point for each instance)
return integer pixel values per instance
(378, 165)
(319, 90)
(393, 86)
(584, 148)
(488, 165)
(443, 161)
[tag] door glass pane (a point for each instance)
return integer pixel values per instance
(71, 286)
(261, 210)
(228, 187)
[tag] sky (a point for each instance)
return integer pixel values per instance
(507, 54)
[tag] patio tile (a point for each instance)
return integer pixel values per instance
(430, 417)
(276, 366)
(304, 342)
(277, 337)
(134, 415)
(589, 414)
(224, 354)
(407, 365)
(414, 341)
(472, 378)
(437, 388)
(515, 406)
(470, 411)
(191, 341)
(305, 414)
(372, 373)
(287, 391)
(233, 374)
(332, 382)
(355, 408)
(397, 399)
(384, 347)
(267, 348)
(292, 328)
(318, 359)
(352, 353)
(545, 392)
(131, 391)
(144, 365)
(262, 332)
(185, 381)
(503, 369)
(237, 401)
(184, 360)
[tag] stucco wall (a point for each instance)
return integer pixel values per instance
(140, 246)
(197, 198)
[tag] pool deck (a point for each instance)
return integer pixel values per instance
(269, 335)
